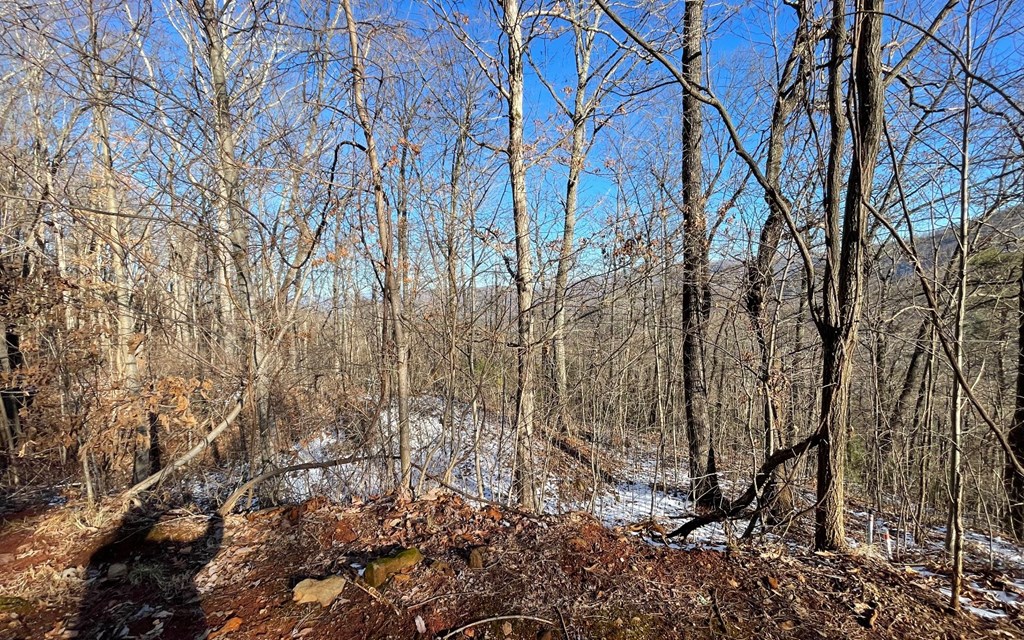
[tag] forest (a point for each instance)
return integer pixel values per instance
(511, 319)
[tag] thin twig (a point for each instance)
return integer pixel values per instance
(376, 595)
(495, 619)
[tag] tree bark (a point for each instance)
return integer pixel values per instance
(956, 477)
(581, 112)
(125, 352)
(1014, 481)
(760, 271)
(524, 489)
(695, 291)
(844, 269)
(247, 340)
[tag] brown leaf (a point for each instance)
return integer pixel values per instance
(344, 533)
(232, 624)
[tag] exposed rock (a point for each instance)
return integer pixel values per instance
(117, 570)
(382, 568)
(323, 591)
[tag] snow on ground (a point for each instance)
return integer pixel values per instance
(476, 457)
(983, 597)
(439, 453)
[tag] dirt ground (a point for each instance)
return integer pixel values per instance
(486, 573)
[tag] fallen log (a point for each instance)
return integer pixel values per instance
(190, 455)
(229, 504)
(736, 507)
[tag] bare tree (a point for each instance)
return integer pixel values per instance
(391, 291)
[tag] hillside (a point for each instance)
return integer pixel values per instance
(486, 572)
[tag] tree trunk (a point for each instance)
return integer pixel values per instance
(760, 271)
(844, 267)
(696, 295)
(524, 483)
(584, 44)
(956, 478)
(245, 340)
(1015, 481)
(391, 294)
(126, 362)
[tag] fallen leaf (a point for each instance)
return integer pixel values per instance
(233, 624)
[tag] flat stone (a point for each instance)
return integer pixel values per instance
(323, 591)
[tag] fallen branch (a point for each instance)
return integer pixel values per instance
(194, 452)
(229, 504)
(495, 619)
(737, 506)
(586, 458)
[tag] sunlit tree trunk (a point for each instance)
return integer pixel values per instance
(844, 268)
(524, 489)
(696, 303)
(955, 539)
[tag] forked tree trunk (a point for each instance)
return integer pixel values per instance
(760, 271)
(844, 268)
(581, 112)
(245, 340)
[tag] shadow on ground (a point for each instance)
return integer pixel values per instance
(142, 583)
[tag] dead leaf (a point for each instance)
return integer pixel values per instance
(233, 624)
(344, 533)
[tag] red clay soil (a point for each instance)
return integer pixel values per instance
(181, 575)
